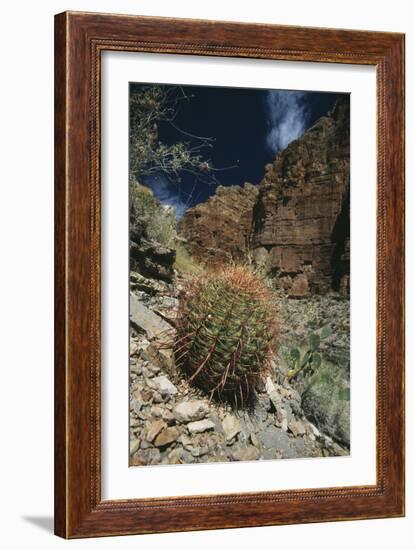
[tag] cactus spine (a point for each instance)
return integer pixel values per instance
(226, 332)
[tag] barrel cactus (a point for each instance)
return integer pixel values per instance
(226, 333)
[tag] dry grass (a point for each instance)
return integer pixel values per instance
(185, 264)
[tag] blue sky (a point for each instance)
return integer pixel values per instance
(288, 115)
(249, 127)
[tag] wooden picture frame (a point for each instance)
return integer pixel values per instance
(79, 40)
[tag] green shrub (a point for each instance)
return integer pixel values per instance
(159, 221)
(311, 358)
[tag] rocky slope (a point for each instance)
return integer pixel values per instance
(295, 223)
(172, 422)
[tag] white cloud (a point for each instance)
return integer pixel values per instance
(288, 116)
(167, 193)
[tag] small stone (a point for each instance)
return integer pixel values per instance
(166, 437)
(157, 397)
(199, 451)
(147, 373)
(163, 385)
(180, 456)
(200, 426)
(246, 453)
(137, 461)
(231, 426)
(154, 368)
(254, 440)
(134, 422)
(136, 405)
(154, 429)
(186, 442)
(134, 446)
(243, 437)
(189, 411)
(142, 318)
(272, 393)
(146, 456)
(156, 411)
(296, 427)
(135, 368)
(168, 417)
(133, 347)
(137, 394)
(147, 395)
(159, 357)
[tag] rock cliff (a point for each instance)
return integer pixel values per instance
(219, 230)
(295, 223)
(301, 216)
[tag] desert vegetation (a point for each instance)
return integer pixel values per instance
(239, 342)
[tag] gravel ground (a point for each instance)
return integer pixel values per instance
(172, 422)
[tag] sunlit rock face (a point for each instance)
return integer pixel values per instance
(295, 223)
(301, 216)
(219, 230)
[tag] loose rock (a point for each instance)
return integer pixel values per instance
(246, 453)
(134, 446)
(189, 411)
(200, 426)
(272, 393)
(296, 427)
(163, 385)
(167, 436)
(154, 430)
(143, 319)
(159, 357)
(146, 456)
(231, 426)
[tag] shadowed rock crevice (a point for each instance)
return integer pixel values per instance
(341, 251)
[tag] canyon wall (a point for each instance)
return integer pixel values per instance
(295, 223)
(301, 217)
(219, 230)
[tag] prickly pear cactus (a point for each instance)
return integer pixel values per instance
(311, 360)
(226, 332)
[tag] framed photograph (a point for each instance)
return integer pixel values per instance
(229, 275)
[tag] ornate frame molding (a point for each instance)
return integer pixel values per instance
(79, 40)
